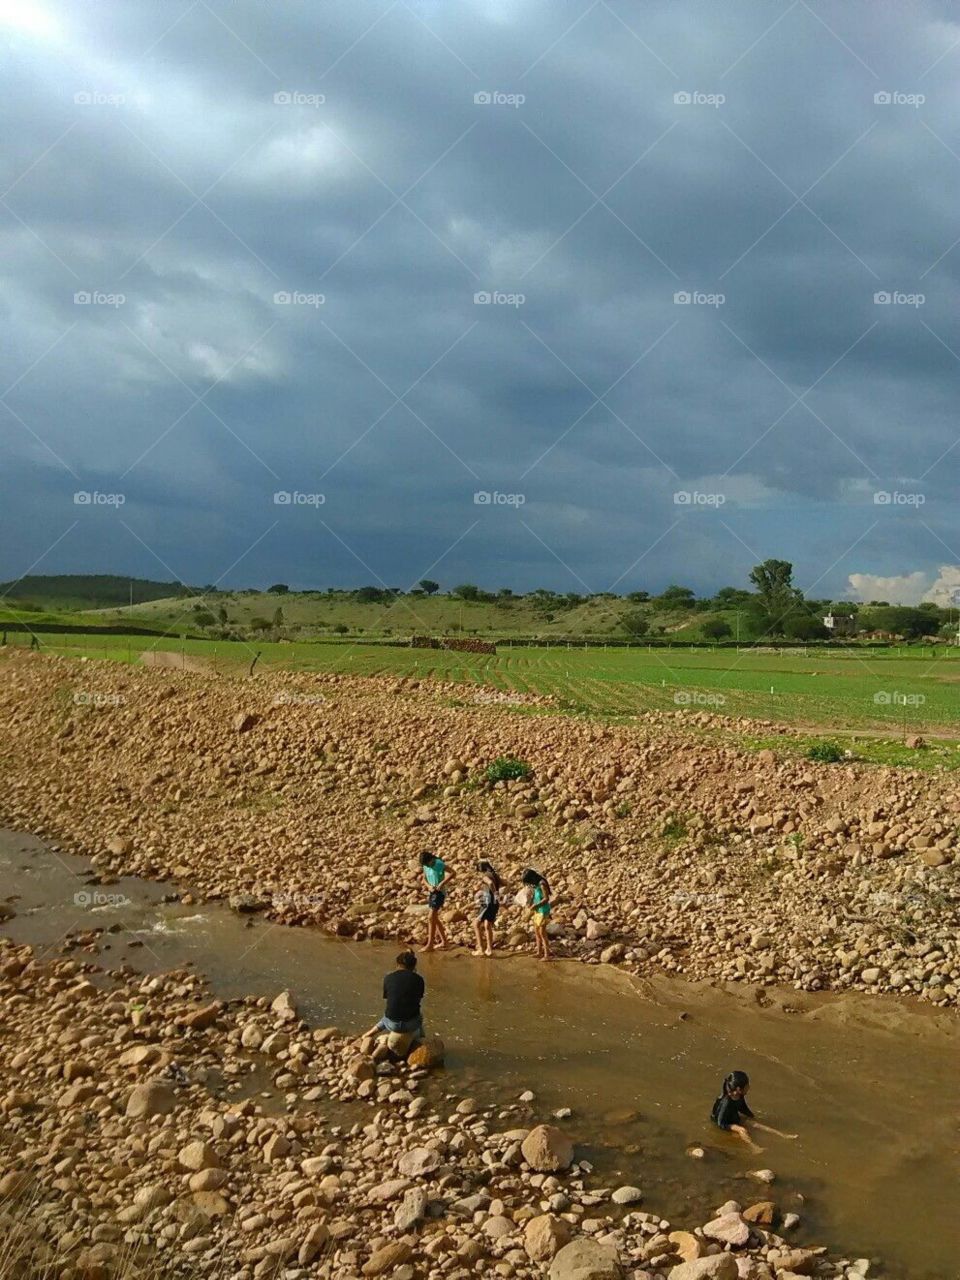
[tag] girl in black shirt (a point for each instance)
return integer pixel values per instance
(730, 1109)
(488, 907)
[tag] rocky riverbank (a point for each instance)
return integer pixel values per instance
(150, 1128)
(309, 798)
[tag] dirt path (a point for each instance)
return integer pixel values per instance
(169, 660)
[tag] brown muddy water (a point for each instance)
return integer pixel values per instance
(871, 1086)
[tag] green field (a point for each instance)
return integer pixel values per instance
(913, 690)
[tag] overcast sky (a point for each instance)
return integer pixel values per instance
(283, 215)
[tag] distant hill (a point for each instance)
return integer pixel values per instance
(66, 592)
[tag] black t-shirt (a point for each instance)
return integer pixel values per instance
(403, 991)
(727, 1111)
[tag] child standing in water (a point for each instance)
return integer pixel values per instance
(541, 910)
(730, 1109)
(438, 878)
(488, 901)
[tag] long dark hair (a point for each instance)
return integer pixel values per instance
(488, 870)
(735, 1080)
(427, 859)
(534, 878)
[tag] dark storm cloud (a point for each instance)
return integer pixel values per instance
(184, 188)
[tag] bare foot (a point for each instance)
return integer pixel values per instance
(478, 954)
(488, 953)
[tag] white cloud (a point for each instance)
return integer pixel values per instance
(907, 588)
(946, 587)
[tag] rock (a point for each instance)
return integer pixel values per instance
(613, 954)
(498, 1226)
(200, 1019)
(399, 1043)
(212, 1204)
(686, 1245)
(415, 1163)
(284, 1007)
(718, 1266)
(753, 1269)
(389, 1190)
(547, 1149)
(120, 846)
(244, 721)
(14, 1184)
(150, 1099)
(544, 1236)
(411, 1210)
(801, 1262)
(761, 1214)
(427, 1054)
(387, 1258)
(246, 903)
(627, 1195)
(586, 1259)
(316, 1239)
(209, 1179)
(763, 1175)
(198, 1155)
(728, 1228)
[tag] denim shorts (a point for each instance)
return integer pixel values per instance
(412, 1027)
(436, 898)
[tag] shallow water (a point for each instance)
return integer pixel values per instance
(870, 1085)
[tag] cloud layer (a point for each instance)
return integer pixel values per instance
(683, 277)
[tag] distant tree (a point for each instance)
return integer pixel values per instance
(676, 598)
(635, 623)
(429, 586)
(902, 620)
(368, 595)
(727, 597)
(466, 591)
(278, 617)
(204, 618)
(715, 629)
(804, 626)
(259, 624)
(278, 589)
(222, 614)
(638, 597)
(777, 597)
(340, 628)
(505, 593)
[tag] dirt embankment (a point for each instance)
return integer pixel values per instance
(310, 798)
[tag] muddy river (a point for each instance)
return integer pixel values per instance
(871, 1086)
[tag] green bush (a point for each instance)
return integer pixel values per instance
(505, 769)
(825, 752)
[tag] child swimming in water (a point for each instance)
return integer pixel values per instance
(437, 876)
(730, 1109)
(488, 902)
(541, 910)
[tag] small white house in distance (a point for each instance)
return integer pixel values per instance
(841, 624)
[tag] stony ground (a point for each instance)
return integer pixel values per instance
(135, 1140)
(310, 797)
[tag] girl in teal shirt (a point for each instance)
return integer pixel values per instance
(437, 877)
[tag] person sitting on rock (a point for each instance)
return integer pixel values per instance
(403, 990)
(437, 877)
(541, 910)
(488, 901)
(730, 1109)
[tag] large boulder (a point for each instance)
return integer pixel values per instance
(544, 1236)
(547, 1149)
(728, 1228)
(150, 1099)
(429, 1053)
(415, 1163)
(586, 1259)
(719, 1266)
(387, 1258)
